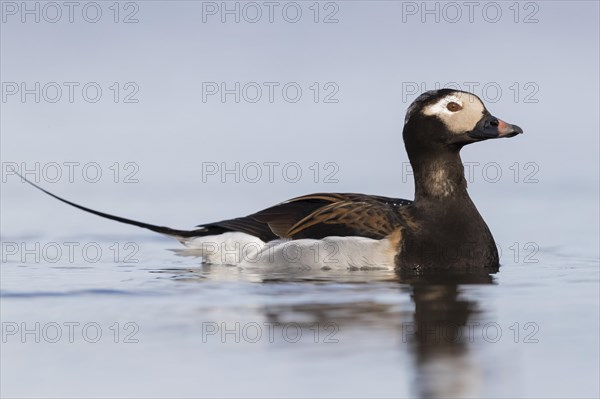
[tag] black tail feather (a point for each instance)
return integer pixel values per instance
(159, 229)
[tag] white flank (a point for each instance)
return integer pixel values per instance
(330, 253)
(224, 249)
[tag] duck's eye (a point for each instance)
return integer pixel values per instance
(453, 107)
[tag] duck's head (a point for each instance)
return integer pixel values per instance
(452, 118)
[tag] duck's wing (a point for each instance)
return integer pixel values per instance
(373, 219)
(320, 215)
(310, 216)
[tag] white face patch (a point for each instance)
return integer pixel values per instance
(461, 121)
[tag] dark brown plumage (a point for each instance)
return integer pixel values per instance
(322, 215)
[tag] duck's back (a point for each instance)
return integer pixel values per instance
(320, 215)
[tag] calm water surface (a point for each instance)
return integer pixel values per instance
(171, 326)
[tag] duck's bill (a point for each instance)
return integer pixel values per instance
(490, 127)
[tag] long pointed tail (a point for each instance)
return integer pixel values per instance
(180, 235)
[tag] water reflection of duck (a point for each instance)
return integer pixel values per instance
(440, 227)
(440, 334)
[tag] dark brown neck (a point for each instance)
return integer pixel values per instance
(439, 176)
